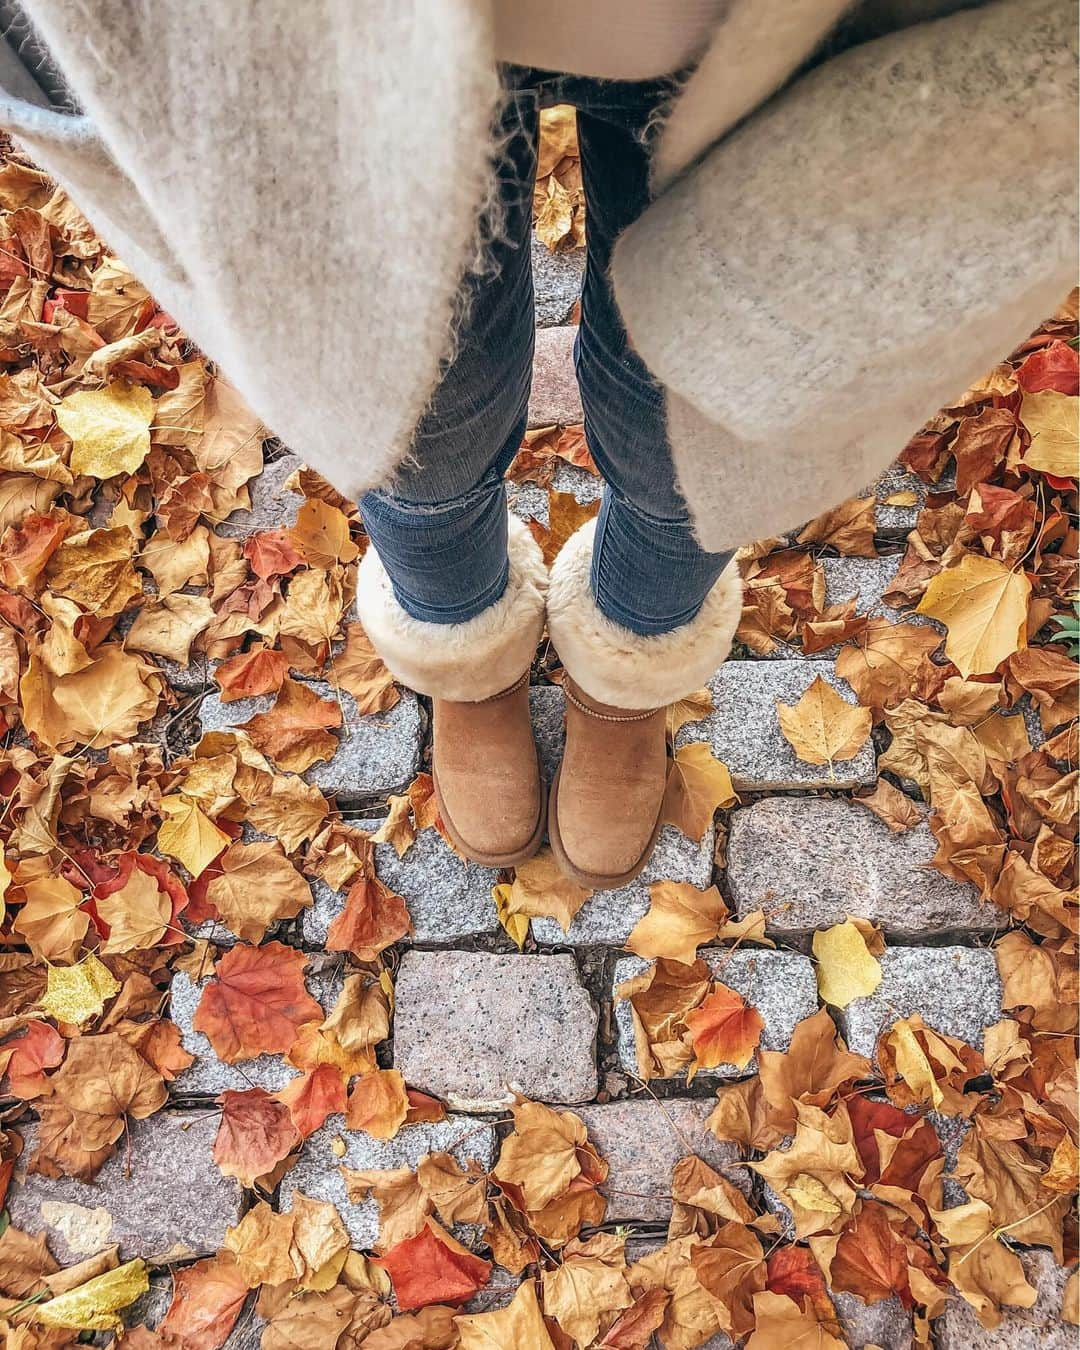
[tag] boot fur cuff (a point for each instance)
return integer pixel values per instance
(624, 669)
(462, 662)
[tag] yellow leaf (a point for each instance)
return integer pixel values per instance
(188, 835)
(515, 925)
(845, 968)
(694, 707)
(697, 784)
(1051, 417)
(321, 533)
(75, 994)
(912, 1064)
(93, 1306)
(813, 1194)
(679, 920)
(984, 606)
(109, 428)
(822, 726)
(540, 891)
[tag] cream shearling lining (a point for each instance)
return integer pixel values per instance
(462, 662)
(625, 669)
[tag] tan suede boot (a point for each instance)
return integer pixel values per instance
(607, 793)
(484, 761)
(487, 776)
(604, 813)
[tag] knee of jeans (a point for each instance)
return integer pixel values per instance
(435, 501)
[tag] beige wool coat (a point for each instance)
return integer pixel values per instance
(858, 209)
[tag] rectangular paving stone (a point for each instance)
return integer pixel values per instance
(273, 507)
(377, 754)
(641, 1140)
(209, 1075)
(780, 985)
(447, 897)
(318, 1169)
(956, 990)
(473, 1028)
(1037, 1328)
(811, 861)
(609, 916)
(141, 1198)
(555, 398)
(745, 734)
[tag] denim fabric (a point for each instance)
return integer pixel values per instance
(440, 530)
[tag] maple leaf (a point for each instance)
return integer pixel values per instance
(849, 528)
(869, 1259)
(321, 532)
(565, 515)
(75, 994)
(541, 1155)
(294, 732)
(100, 705)
(433, 1268)
(891, 805)
(520, 1323)
(374, 918)
(397, 829)
(38, 1047)
(724, 1029)
(887, 662)
(540, 890)
(314, 1096)
(822, 726)
(255, 1133)
(273, 1248)
(95, 571)
(679, 920)
(360, 670)
(258, 671)
(794, 1271)
(981, 445)
(925, 1066)
(188, 834)
(206, 1301)
(51, 920)
(984, 605)
(698, 784)
(731, 1266)
(137, 914)
(256, 1002)
(814, 1175)
(778, 1320)
(458, 1193)
(845, 968)
(377, 1104)
(694, 707)
(814, 1069)
(27, 546)
(256, 886)
(581, 1293)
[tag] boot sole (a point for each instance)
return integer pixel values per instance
(591, 880)
(494, 860)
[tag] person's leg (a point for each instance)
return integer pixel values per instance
(640, 614)
(451, 593)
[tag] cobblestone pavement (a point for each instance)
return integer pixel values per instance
(475, 1019)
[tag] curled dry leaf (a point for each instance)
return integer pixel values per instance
(540, 890)
(698, 784)
(294, 733)
(845, 968)
(679, 920)
(255, 1133)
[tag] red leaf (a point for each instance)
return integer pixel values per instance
(794, 1271)
(256, 1002)
(272, 553)
(259, 671)
(866, 1117)
(255, 1133)
(373, 919)
(41, 1047)
(207, 1298)
(1054, 367)
(432, 1268)
(870, 1258)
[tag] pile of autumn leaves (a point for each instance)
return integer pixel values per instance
(119, 452)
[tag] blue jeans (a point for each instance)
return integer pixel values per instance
(440, 529)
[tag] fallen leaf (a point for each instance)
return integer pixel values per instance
(519, 1324)
(94, 1305)
(294, 732)
(582, 1292)
(255, 1133)
(188, 834)
(256, 1002)
(109, 428)
(892, 806)
(983, 604)
(377, 1104)
(779, 1321)
(849, 528)
(698, 784)
(845, 968)
(823, 727)
(1050, 417)
(75, 994)
(540, 890)
(679, 920)
(256, 887)
(433, 1268)
(374, 918)
(206, 1301)
(724, 1029)
(137, 914)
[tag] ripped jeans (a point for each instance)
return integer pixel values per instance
(441, 529)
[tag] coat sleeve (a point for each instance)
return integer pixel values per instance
(853, 256)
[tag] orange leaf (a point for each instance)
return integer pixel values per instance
(373, 919)
(313, 1097)
(432, 1268)
(207, 1298)
(256, 1002)
(25, 1059)
(378, 1104)
(723, 1030)
(255, 1133)
(294, 732)
(259, 671)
